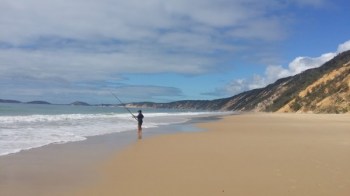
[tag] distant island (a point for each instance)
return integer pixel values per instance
(39, 102)
(76, 103)
(29, 102)
(80, 103)
(9, 101)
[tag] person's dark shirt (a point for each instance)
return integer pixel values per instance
(140, 117)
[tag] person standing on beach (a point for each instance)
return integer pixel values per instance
(140, 121)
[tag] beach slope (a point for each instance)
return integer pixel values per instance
(249, 154)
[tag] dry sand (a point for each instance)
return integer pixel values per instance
(244, 155)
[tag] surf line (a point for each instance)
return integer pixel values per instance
(124, 105)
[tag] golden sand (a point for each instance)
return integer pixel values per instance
(243, 155)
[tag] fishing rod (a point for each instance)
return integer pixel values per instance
(124, 105)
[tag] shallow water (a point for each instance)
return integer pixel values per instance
(26, 126)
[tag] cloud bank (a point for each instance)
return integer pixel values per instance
(130, 36)
(70, 42)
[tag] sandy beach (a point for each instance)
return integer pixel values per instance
(247, 155)
(60, 169)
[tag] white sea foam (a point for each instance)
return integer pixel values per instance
(30, 131)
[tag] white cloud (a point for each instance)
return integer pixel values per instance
(93, 40)
(275, 72)
(126, 20)
(84, 41)
(301, 64)
(252, 30)
(315, 3)
(128, 36)
(143, 92)
(344, 47)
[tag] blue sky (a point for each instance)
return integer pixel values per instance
(157, 50)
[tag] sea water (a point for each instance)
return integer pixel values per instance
(26, 126)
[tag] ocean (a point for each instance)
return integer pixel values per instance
(26, 126)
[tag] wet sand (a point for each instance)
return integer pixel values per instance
(59, 169)
(247, 155)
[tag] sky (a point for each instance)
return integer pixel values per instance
(161, 50)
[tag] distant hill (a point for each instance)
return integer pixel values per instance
(9, 101)
(45, 102)
(30, 102)
(79, 103)
(38, 102)
(325, 89)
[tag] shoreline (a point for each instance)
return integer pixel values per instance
(269, 154)
(247, 154)
(58, 168)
